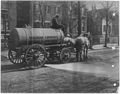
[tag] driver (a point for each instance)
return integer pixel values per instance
(55, 24)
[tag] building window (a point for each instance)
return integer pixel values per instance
(83, 28)
(54, 10)
(109, 29)
(48, 9)
(1, 23)
(104, 28)
(37, 7)
(4, 20)
(58, 10)
(82, 12)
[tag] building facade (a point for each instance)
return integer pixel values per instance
(44, 11)
(4, 20)
(38, 14)
(97, 26)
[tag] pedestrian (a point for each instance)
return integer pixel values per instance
(55, 24)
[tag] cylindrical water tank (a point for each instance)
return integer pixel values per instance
(25, 36)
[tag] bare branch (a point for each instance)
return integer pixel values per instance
(45, 12)
(107, 4)
(103, 4)
(40, 9)
(74, 26)
(111, 5)
(41, 13)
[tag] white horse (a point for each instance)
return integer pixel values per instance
(81, 44)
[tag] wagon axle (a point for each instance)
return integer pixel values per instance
(35, 56)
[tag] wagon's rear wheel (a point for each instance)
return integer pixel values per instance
(15, 57)
(35, 56)
(65, 55)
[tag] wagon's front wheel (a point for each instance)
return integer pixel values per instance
(65, 55)
(35, 56)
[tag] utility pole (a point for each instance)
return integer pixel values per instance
(70, 17)
(31, 14)
(107, 20)
(65, 19)
(106, 34)
(79, 18)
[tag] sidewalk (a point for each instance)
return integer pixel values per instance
(101, 46)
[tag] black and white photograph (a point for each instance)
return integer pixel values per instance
(60, 46)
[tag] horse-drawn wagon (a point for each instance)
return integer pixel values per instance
(35, 46)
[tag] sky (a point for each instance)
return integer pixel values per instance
(99, 5)
(90, 3)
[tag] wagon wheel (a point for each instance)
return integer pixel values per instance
(35, 56)
(65, 55)
(15, 58)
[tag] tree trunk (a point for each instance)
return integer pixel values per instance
(106, 34)
(79, 18)
(65, 19)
